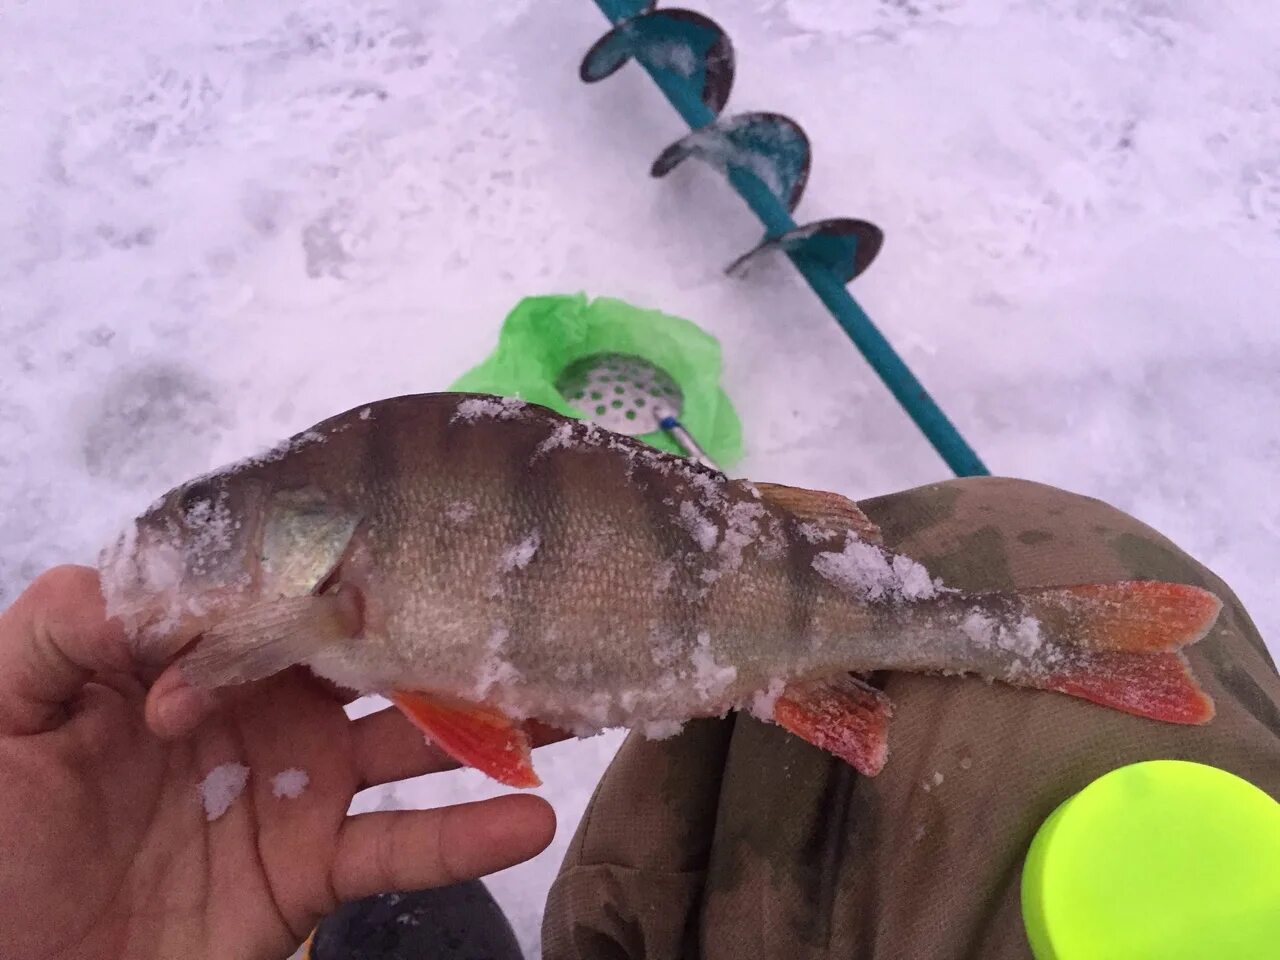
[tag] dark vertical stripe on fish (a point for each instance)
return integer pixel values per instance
(380, 459)
(535, 497)
(800, 555)
(685, 610)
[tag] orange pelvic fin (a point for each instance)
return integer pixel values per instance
(842, 715)
(474, 734)
(825, 509)
(1155, 685)
(1135, 616)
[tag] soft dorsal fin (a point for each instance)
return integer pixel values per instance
(475, 734)
(825, 509)
(842, 715)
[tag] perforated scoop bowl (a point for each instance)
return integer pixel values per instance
(622, 393)
(628, 395)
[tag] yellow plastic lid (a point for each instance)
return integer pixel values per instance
(1163, 860)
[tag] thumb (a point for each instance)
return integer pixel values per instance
(53, 640)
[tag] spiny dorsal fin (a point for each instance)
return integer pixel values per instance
(825, 509)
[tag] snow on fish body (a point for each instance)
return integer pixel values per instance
(484, 562)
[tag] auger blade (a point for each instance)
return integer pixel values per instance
(770, 179)
(842, 245)
(681, 42)
(773, 147)
(620, 10)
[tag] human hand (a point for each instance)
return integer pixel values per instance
(105, 848)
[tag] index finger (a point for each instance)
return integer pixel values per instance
(412, 849)
(54, 639)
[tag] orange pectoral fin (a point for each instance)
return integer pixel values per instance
(475, 735)
(842, 715)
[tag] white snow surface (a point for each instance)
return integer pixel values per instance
(221, 222)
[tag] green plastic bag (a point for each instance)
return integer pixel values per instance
(544, 335)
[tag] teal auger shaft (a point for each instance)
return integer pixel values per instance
(853, 320)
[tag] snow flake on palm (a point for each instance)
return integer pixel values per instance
(290, 784)
(221, 787)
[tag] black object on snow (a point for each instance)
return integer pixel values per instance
(459, 922)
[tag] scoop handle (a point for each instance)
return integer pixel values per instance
(675, 429)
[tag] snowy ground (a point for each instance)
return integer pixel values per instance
(221, 222)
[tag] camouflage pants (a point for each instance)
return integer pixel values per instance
(737, 840)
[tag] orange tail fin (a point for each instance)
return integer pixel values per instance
(1135, 616)
(1155, 685)
(1116, 645)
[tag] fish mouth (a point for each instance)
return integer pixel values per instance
(146, 588)
(121, 580)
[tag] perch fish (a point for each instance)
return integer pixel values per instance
(484, 562)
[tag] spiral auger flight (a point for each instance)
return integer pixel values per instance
(766, 158)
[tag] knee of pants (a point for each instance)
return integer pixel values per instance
(995, 533)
